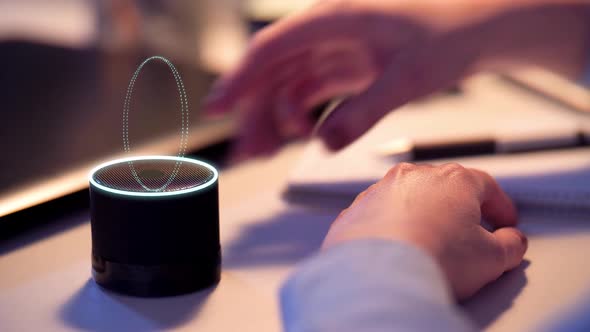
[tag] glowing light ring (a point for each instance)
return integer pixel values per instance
(153, 194)
(184, 114)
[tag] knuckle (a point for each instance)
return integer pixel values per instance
(370, 188)
(400, 169)
(486, 176)
(360, 196)
(342, 213)
(452, 168)
(364, 193)
(457, 172)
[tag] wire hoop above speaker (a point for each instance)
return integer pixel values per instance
(184, 129)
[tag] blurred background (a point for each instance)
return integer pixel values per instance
(65, 68)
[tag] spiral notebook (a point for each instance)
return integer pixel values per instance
(550, 180)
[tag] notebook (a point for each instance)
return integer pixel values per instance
(556, 180)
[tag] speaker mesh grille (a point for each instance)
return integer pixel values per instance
(153, 174)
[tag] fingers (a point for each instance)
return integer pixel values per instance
(281, 110)
(514, 244)
(227, 92)
(290, 37)
(257, 133)
(496, 207)
(302, 95)
(342, 70)
(293, 90)
(418, 70)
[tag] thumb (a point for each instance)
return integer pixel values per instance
(514, 243)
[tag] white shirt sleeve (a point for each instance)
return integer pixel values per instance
(371, 286)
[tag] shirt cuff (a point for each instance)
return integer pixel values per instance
(370, 285)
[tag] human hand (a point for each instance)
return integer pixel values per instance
(385, 53)
(336, 48)
(439, 209)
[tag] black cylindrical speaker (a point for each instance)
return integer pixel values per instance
(155, 225)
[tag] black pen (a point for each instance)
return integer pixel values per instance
(409, 150)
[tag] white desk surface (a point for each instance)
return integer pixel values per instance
(45, 280)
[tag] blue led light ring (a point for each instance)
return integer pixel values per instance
(184, 129)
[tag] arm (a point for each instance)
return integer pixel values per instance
(373, 286)
(404, 251)
(550, 34)
(384, 54)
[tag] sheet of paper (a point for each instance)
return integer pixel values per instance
(488, 107)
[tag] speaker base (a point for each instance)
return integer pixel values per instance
(155, 280)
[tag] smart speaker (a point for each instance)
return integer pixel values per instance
(155, 225)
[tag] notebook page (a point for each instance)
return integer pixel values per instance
(488, 107)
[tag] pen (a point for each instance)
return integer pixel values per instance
(415, 150)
